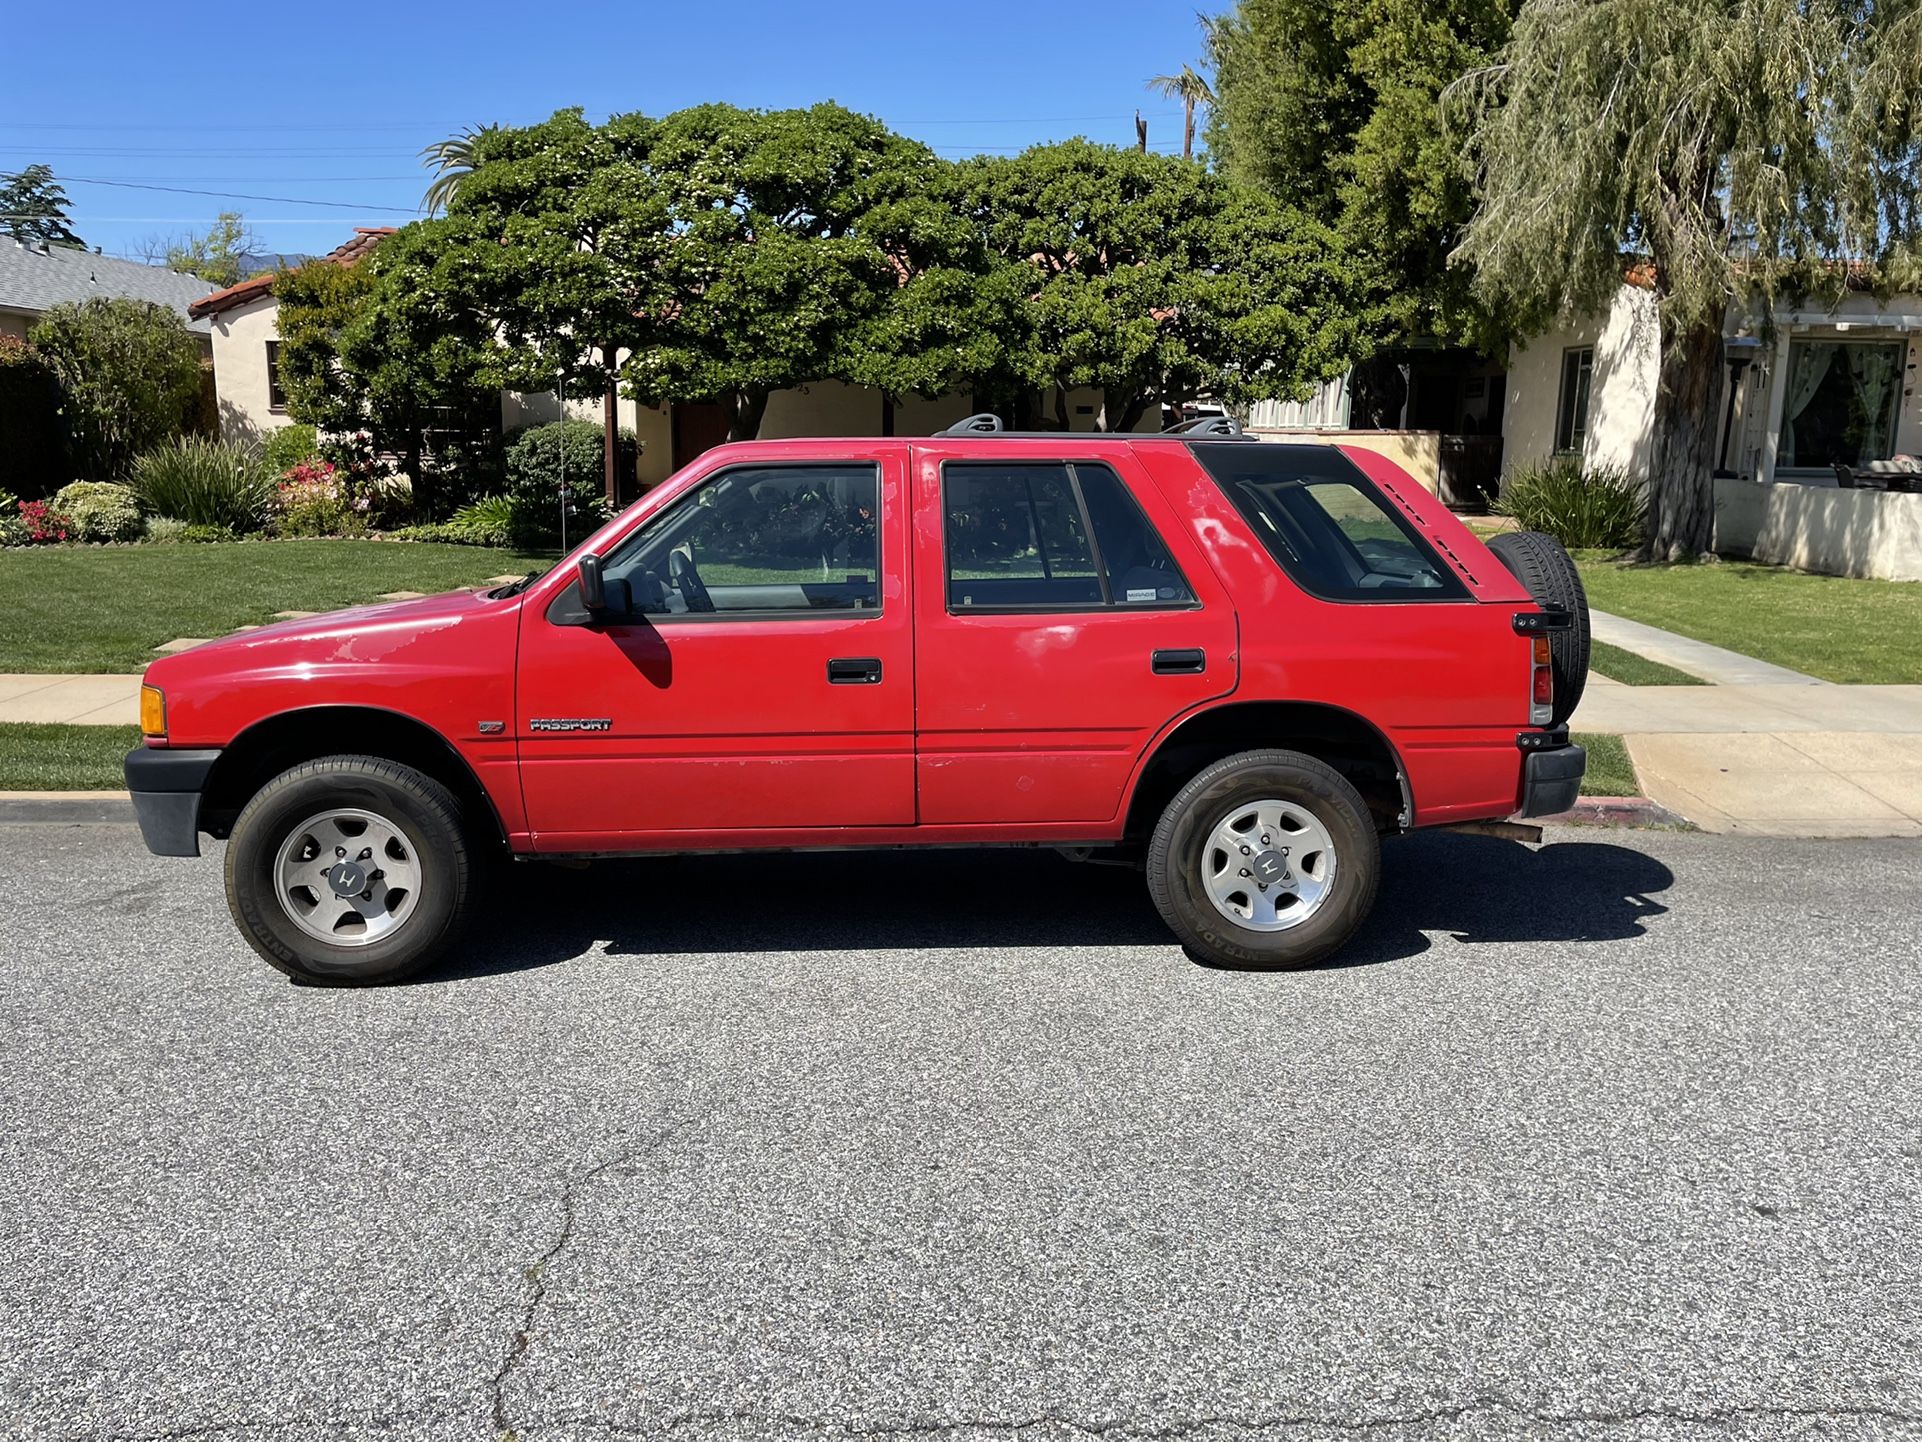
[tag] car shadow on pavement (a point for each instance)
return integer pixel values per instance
(1473, 888)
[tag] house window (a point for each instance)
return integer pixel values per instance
(1571, 415)
(1840, 405)
(276, 397)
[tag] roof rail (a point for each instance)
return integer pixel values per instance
(1207, 426)
(984, 424)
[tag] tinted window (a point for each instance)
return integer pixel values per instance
(1018, 538)
(761, 538)
(1327, 526)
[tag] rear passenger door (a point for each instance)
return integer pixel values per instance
(1062, 620)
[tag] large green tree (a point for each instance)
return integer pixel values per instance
(807, 246)
(1335, 109)
(129, 375)
(1156, 281)
(33, 209)
(1741, 147)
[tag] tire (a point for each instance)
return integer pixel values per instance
(1183, 854)
(298, 820)
(1543, 568)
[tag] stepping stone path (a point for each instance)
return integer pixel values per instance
(179, 643)
(402, 595)
(499, 580)
(296, 615)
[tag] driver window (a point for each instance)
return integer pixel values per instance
(759, 539)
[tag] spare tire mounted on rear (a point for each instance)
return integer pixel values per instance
(1543, 567)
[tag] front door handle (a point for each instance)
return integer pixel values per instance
(854, 671)
(1191, 662)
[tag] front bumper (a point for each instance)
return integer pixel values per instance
(166, 787)
(1552, 779)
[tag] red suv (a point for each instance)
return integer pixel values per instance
(1237, 662)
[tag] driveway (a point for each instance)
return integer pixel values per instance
(1617, 1139)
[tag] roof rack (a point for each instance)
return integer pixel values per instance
(985, 424)
(1207, 426)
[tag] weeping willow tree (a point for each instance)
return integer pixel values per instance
(1737, 149)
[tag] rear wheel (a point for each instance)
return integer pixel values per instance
(1265, 859)
(349, 871)
(1543, 567)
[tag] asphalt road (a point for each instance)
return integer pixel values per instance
(1617, 1139)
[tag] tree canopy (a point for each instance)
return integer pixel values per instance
(1740, 147)
(1335, 109)
(1156, 281)
(129, 376)
(33, 209)
(218, 254)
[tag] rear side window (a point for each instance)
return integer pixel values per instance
(1326, 525)
(1053, 535)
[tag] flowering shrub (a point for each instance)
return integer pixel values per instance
(314, 498)
(100, 511)
(46, 526)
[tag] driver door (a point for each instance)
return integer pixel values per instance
(762, 681)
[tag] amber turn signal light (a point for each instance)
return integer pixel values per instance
(153, 711)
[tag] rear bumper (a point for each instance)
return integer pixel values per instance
(1552, 779)
(166, 787)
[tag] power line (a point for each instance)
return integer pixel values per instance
(239, 195)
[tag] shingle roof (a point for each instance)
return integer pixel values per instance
(34, 280)
(366, 237)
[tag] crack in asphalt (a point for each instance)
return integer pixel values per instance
(1184, 1427)
(535, 1275)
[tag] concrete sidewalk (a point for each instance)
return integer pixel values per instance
(71, 700)
(1773, 760)
(1714, 664)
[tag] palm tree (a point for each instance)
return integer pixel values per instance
(1191, 89)
(452, 161)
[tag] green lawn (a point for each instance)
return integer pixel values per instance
(64, 758)
(94, 609)
(1610, 772)
(1828, 626)
(1632, 670)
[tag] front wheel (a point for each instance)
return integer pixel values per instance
(349, 871)
(1266, 859)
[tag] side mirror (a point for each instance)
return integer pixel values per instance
(593, 590)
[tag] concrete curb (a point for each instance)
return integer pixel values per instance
(65, 807)
(1628, 811)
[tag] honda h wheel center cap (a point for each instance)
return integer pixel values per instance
(347, 879)
(1270, 867)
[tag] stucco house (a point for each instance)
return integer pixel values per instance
(35, 278)
(246, 342)
(1808, 387)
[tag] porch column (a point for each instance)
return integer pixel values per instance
(1778, 394)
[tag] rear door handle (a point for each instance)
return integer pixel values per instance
(1191, 662)
(854, 670)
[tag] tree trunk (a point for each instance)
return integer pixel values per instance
(610, 443)
(1681, 487)
(745, 410)
(1188, 131)
(1128, 415)
(424, 497)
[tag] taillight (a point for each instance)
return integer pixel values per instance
(1542, 687)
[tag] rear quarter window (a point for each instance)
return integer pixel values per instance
(1326, 525)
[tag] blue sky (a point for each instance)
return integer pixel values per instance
(311, 104)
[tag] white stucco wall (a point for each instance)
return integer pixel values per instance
(1821, 528)
(240, 339)
(1621, 397)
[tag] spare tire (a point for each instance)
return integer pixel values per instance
(1543, 567)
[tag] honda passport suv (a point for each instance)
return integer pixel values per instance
(1236, 663)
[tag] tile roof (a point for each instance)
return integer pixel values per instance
(35, 280)
(366, 237)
